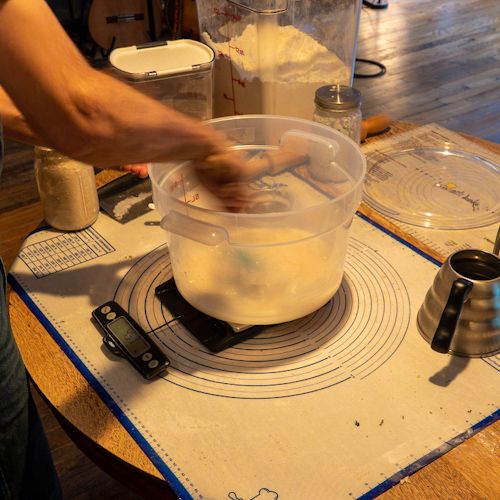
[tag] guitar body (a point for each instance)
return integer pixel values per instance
(120, 23)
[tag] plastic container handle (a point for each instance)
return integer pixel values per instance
(450, 316)
(193, 229)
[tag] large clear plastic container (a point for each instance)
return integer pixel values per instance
(283, 256)
(272, 55)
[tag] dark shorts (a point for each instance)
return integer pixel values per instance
(26, 468)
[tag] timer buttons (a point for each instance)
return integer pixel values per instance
(153, 364)
(111, 315)
(147, 356)
(106, 309)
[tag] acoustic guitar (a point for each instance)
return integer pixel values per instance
(120, 23)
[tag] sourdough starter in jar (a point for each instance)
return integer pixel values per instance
(67, 190)
(338, 106)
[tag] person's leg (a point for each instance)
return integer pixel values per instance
(40, 477)
(13, 410)
(26, 468)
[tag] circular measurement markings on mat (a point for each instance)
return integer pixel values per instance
(434, 187)
(354, 334)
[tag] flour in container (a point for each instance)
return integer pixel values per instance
(272, 69)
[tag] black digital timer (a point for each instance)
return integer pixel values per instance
(124, 336)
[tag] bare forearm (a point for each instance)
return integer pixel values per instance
(121, 125)
(14, 124)
(79, 111)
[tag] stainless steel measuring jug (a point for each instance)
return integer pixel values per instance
(461, 311)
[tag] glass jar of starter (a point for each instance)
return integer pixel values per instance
(339, 107)
(67, 190)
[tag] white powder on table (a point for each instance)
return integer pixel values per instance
(123, 207)
(272, 69)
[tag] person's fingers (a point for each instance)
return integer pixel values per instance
(224, 175)
(229, 166)
(139, 169)
(233, 196)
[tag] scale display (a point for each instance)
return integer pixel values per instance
(128, 336)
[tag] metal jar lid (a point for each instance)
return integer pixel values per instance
(337, 97)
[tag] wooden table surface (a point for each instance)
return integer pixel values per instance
(471, 470)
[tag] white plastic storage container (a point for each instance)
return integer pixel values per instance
(178, 73)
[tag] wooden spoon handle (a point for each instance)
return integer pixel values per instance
(218, 168)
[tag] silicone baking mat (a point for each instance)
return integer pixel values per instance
(342, 403)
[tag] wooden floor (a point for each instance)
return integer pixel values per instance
(443, 65)
(442, 59)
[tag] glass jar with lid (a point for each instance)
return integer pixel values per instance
(67, 190)
(339, 107)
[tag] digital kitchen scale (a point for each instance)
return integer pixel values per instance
(213, 333)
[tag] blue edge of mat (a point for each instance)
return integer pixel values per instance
(162, 467)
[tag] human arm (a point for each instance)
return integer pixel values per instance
(16, 128)
(80, 111)
(14, 124)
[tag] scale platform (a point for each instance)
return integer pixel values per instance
(213, 333)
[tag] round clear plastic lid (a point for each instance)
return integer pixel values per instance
(434, 187)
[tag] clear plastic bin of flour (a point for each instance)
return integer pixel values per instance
(272, 55)
(178, 73)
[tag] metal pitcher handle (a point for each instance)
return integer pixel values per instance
(451, 314)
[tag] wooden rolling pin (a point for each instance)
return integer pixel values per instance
(374, 125)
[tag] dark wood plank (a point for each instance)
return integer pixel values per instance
(442, 62)
(18, 186)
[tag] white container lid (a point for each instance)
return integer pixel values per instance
(162, 59)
